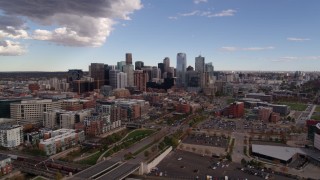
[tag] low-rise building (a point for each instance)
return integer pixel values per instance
(5, 164)
(11, 136)
(60, 140)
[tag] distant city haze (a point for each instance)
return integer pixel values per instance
(234, 35)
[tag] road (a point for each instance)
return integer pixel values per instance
(237, 153)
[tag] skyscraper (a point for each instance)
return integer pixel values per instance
(140, 80)
(181, 69)
(97, 73)
(199, 64)
(121, 80)
(166, 63)
(138, 65)
(128, 58)
(113, 77)
(129, 70)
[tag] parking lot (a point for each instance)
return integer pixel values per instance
(185, 165)
(206, 140)
(219, 124)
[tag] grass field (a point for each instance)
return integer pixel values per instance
(295, 106)
(137, 133)
(317, 109)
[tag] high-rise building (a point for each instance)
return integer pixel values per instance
(161, 67)
(31, 112)
(200, 64)
(97, 73)
(122, 80)
(166, 62)
(120, 65)
(106, 74)
(139, 65)
(128, 58)
(113, 77)
(155, 73)
(140, 80)
(129, 70)
(181, 69)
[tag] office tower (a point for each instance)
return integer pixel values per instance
(113, 77)
(166, 62)
(129, 70)
(122, 80)
(97, 73)
(199, 64)
(148, 70)
(209, 68)
(140, 80)
(128, 58)
(138, 65)
(74, 74)
(181, 69)
(106, 74)
(120, 65)
(161, 67)
(155, 73)
(193, 78)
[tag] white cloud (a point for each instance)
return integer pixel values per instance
(193, 13)
(199, 1)
(13, 33)
(229, 48)
(76, 23)
(297, 39)
(232, 48)
(70, 36)
(209, 14)
(258, 48)
(295, 58)
(10, 48)
(224, 13)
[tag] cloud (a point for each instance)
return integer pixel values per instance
(297, 39)
(12, 27)
(295, 58)
(189, 14)
(10, 48)
(229, 48)
(209, 14)
(74, 22)
(224, 13)
(232, 48)
(199, 1)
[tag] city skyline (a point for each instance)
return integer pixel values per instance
(246, 35)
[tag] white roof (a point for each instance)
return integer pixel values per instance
(278, 152)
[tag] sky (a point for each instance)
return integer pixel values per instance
(57, 35)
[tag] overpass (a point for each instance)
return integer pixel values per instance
(107, 170)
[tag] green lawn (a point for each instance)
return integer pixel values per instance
(138, 133)
(92, 159)
(317, 109)
(295, 106)
(315, 117)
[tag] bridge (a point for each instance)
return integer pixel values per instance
(107, 170)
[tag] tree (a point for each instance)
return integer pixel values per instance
(243, 162)
(229, 157)
(146, 153)
(58, 176)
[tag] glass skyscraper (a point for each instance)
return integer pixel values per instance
(181, 69)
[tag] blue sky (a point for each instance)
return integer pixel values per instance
(232, 34)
